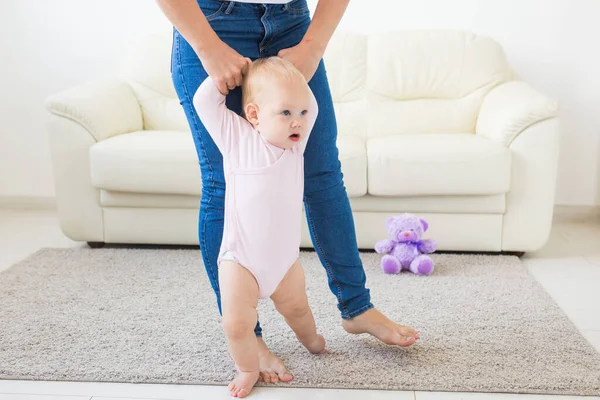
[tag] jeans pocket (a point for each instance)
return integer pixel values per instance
(297, 7)
(212, 8)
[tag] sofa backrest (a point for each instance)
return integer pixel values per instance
(382, 84)
(412, 81)
(147, 68)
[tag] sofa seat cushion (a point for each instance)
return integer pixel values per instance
(353, 157)
(491, 204)
(437, 164)
(165, 162)
(147, 162)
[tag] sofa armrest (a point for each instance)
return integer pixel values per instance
(103, 108)
(510, 108)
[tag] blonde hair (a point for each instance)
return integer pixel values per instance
(261, 71)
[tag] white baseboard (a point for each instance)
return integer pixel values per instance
(28, 202)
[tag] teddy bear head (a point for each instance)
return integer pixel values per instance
(406, 227)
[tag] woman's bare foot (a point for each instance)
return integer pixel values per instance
(242, 384)
(375, 323)
(317, 346)
(272, 369)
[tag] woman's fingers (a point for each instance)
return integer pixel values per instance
(221, 84)
(226, 67)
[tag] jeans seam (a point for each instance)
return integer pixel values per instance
(327, 265)
(262, 46)
(211, 176)
(217, 13)
(360, 311)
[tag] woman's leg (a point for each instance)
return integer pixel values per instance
(327, 206)
(326, 202)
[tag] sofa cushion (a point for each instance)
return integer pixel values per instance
(432, 81)
(437, 164)
(487, 204)
(353, 157)
(146, 67)
(147, 162)
(165, 162)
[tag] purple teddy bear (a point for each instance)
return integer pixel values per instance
(405, 248)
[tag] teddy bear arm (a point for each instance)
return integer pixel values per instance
(384, 246)
(428, 246)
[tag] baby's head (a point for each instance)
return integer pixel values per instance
(275, 100)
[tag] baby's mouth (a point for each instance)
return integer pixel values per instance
(295, 137)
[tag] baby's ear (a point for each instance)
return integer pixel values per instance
(425, 224)
(251, 112)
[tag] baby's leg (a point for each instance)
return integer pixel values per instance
(291, 301)
(239, 298)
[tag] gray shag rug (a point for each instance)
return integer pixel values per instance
(149, 316)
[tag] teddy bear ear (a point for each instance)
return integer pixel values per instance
(389, 222)
(425, 224)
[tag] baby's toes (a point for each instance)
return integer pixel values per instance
(232, 389)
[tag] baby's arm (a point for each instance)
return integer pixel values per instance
(220, 122)
(312, 114)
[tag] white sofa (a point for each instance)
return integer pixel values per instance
(430, 122)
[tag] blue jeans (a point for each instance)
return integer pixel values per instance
(254, 31)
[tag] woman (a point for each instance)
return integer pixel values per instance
(219, 39)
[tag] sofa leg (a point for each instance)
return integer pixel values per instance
(96, 245)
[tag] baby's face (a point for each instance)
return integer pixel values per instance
(282, 113)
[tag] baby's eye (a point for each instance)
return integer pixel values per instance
(286, 112)
(304, 112)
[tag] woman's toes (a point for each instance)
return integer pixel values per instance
(406, 340)
(273, 376)
(408, 333)
(266, 376)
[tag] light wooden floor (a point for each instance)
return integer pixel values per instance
(568, 267)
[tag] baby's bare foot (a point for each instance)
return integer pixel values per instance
(242, 384)
(317, 346)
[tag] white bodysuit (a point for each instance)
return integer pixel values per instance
(264, 187)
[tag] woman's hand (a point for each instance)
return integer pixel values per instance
(224, 65)
(304, 57)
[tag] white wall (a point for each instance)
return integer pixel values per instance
(47, 46)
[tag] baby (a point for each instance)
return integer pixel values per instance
(263, 163)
